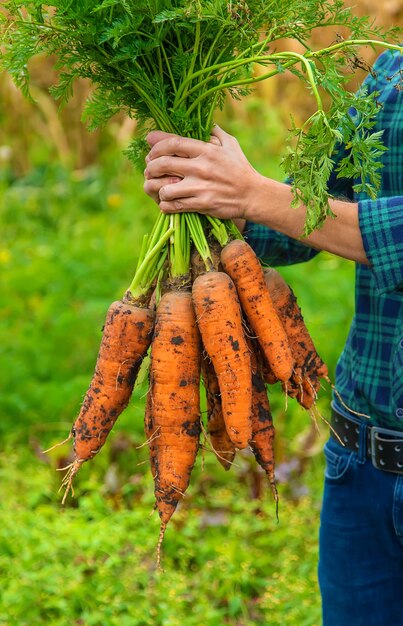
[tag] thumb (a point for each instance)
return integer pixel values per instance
(221, 135)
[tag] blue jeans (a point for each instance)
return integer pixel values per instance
(361, 542)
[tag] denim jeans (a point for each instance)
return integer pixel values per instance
(361, 542)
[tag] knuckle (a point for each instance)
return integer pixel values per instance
(197, 168)
(175, 144)
(163, 194)
(201, 167)
(209, 147)
(208, 200)
(214, 140)
(164, 207)
(164, 162)
(149, 171)
(150, 186)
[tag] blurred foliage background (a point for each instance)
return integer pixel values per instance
(72, 215)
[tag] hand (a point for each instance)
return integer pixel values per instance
(213, 177)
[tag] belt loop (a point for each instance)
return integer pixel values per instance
(363, 441)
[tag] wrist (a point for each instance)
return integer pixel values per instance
(268, 203)
(254, 206)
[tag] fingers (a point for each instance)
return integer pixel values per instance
(176, 145)
(184, 174)
(177, 197)
(170, 166)
(157, 135)
(180, 205)
(167, 144)
(179, 191)
(153, 186)
(173, 145)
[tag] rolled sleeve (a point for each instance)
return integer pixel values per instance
(381, 224)
(274, 248)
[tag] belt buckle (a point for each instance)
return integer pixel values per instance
(385, 444)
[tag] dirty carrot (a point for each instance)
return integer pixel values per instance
(220, 323)
(175, 404)
(241, 263)
(220, 441)
(267, 373)
(125, 340)
(309, 368)
(304, 394)
(263, 431)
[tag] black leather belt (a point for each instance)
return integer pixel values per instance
(383, 446)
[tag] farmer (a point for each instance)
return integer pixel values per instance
(361, 532)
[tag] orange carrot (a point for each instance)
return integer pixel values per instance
(266, 371)
(125, 340)
(220, 323)
(175, 403)
(308, 365)
(221, 443)
(263, 432)
(241, 263)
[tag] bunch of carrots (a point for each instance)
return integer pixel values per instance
(227, 322)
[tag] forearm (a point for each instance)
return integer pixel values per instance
(270, 205)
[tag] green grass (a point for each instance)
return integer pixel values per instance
(68, 247)
(226, 560)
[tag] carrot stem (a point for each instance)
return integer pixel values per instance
(179, 252)
(149, 267)
(219, 230)
(199, 238)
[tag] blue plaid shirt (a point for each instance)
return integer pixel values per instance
(369, 374)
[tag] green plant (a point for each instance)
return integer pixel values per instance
(67, 567)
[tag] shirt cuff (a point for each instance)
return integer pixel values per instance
(381, 224)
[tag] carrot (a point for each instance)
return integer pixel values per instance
(263, 431)
(267, 373)
(175, 401)
(125, 340)
(221, 443)
(242, 264)
(220, 323)
(303, 392)
(150, 433)
(309, 368)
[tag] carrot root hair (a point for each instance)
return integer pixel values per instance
(344, 404)
(67, 482)
(57, 445)
(159, 544)
(209, 446)
(147, 442)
